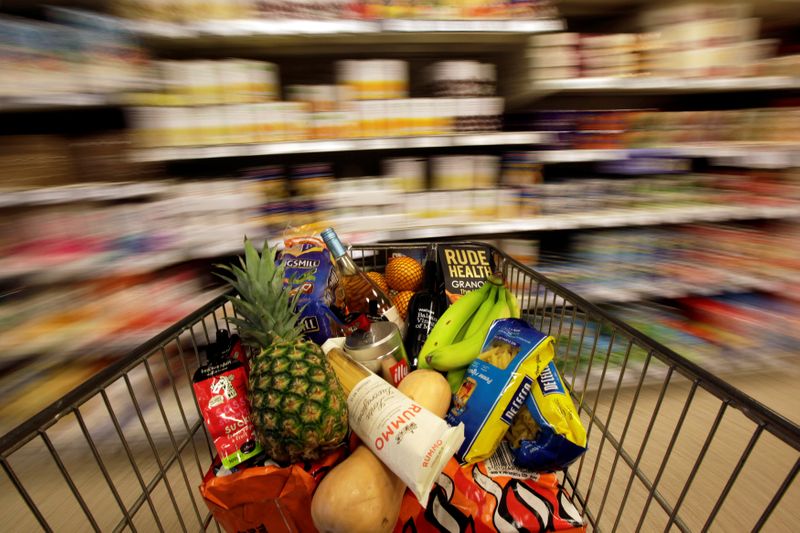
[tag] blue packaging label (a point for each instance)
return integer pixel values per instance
(517, 401)
(549, 380)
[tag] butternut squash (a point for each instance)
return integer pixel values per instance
(428, 388)
(361, 495)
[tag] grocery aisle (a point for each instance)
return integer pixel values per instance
(646, 157)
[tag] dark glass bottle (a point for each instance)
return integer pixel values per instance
(425, 308)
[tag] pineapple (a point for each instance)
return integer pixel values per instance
(297, 406)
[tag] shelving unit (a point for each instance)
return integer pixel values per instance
(58, 101)
(496, 41)
(82, 192)
(340, 145)
(355, 29)
(763, 155)
(431, 229)
(649, 85)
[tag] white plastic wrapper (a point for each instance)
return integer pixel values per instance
(413, 442)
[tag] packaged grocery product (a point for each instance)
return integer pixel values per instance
(465, 268)
(547, 433)
(497, 384)
(491, 496)
(379, 347)
(414, 443)
(310, 269)
(220, 386)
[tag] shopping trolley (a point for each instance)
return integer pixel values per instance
(671, 446)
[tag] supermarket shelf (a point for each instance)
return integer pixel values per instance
(755, 155)
(112, 264)
(328, 28)
(636, 292)
(83, 192)
(526, 93)
(669, 85)
(640, 291)
(57, 101)
(585, 220)
(107, 340)
(472, 26)
(580, 156)
(338, 145)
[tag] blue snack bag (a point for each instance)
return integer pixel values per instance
(310, 270)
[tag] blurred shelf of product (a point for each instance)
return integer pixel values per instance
(764, 137)
(58, 337)
(720, 42)
(642, 264)
(732, 306)
(236, 102)
(738, 334)
(180, 222)
(489, 195)
(338, 10)
(83, 60)
(99, 319)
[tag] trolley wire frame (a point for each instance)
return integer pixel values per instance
(578, 326)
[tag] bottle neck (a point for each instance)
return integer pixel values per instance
(336, 247)
(333, 243)
(346, 265)
(343, 260)
(431, 271)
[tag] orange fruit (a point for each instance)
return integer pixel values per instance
(404, 274)
(378, 279)
(401, 302)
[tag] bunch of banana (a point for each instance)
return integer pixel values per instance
(458, 336)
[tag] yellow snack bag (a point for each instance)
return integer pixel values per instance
(497, 385)
(547, 433)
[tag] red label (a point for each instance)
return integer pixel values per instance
(398, 371)
(226, 412)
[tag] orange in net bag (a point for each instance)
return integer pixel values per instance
(491, 496)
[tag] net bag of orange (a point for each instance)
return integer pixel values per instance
(489, 496)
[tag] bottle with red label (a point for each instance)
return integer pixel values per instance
(220, 386)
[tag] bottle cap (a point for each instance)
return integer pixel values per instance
(333, 243)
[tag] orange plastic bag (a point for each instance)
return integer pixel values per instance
(267, 498)
(469, 499)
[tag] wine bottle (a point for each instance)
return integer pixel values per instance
(424, 309)
(360, 293)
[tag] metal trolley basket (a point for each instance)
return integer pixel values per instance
(671, 446)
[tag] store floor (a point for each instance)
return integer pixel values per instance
(769, 463)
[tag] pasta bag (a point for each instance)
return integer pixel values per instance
(497, 384)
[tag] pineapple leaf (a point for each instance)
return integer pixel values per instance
(252, 263)
(266, 305)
